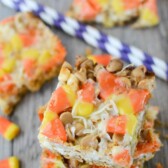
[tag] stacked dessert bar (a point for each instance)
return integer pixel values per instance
(99, 116)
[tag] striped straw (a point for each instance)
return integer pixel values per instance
(92, 36)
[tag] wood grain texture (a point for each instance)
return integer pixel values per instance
(154, 41)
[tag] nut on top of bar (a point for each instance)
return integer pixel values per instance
(30, 54)
(97, 111)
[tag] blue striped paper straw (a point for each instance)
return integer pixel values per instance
(92, 36)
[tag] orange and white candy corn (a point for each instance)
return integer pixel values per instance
(103, 59)
(148, 15)
(8, 129)
(11, 162)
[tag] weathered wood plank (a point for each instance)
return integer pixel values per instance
(154, 41)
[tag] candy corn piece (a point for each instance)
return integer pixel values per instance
(11, 162)
(33, 51)
(8, 129)
(96, 113)
(103, 59)
(89, 8)
(148, 15)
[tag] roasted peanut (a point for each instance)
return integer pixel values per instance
(123, 73)
(65, 72)
(148, 84)
(88, 64)
(66, 118)
(79, 61)
(97, 68)
(81, 75)
(79, 128)
(115, 65)
(125, 81)
(89, 141)
(67, 65)
(69, 134)
(139, 72)
(90, 75)
(73, 163)
(134, 81)
(73, 82)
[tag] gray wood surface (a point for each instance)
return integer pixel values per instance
(154, 41)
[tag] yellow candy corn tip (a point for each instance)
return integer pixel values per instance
(14, 162)
(149, 17)
(124, 105)
(125, 108)
(9, 65)
(91, 57)
(117, 6)
(131, 124)
(2, 73)
(7, 50)
(16, 42)
(103, 2)
(11, 132)
(30, 53)
(84, 109)
(45, 56)
(48, 116)
(70, 94)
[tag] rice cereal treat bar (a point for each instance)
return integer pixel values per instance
(116, 12)
(30, 54)
(97, 112)
(148, 145)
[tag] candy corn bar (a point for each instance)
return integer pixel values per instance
(8, 129)
(148, 145)
(115, 12)
(30, 54)
(11, 162)
(96, 112)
